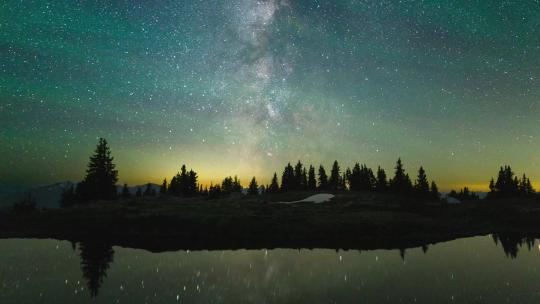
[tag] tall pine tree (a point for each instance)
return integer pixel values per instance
(382, 184)
(312, 180)
(401, 183)
(253, 188)
(274, 186)
(288, 179)
(335, 177)
(101, 176)
(323, 178)
(421, 187)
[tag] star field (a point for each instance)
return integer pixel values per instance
(244, 86)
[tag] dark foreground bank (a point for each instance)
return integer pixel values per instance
(349, 221)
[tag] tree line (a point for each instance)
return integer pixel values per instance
(101, 178)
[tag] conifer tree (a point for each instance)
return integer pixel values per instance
(184, 183)
(214, 191)
(522, 186)
(434, 191)
(506, 185)
(366, 179)
(381, 184)
(274, 186)
(323, 179)
(101, 176)
(297, 181)
(464, 194)
(253, 188)
(227, 185)
(173, 186)
(529, 188)
(421, 187)
(192, 183)
(304, 180)
(163, 188)
(335, 176)
(312, 181)
(400, 183)
(525, 186)
(237, 187)
(287, 180)
(354, 178)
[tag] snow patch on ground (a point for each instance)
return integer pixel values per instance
(317, 199)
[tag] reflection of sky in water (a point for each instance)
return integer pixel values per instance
(467, 270)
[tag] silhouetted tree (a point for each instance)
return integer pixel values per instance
(253, 188)
(230, 185)
(214, 191)
(355, 183)
(400, 183)
(304, 180)
(184, 183)
(382, 184)
(312, 181)
(335, 176)
(421, 187)
(227, 185)
(125, 192)
(323, 179)
(288, 179)
(274, 186)
(464, 194)
(434, 192)
(506, 184)
(101, 176)
(361, 178)
(525, 187)
(491, 188)
(163, 188)
(237, 187)
(297, 181)
(205, 191)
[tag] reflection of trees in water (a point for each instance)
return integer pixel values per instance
(95, 260)
(512, 242)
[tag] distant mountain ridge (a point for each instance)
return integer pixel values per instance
(48, 196)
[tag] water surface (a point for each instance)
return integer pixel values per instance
(473, 270)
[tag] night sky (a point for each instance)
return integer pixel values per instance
(243, 87)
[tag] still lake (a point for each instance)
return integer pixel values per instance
(484, 269)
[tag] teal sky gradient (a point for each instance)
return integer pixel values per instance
(243, 87)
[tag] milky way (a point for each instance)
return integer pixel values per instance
(243, 87)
